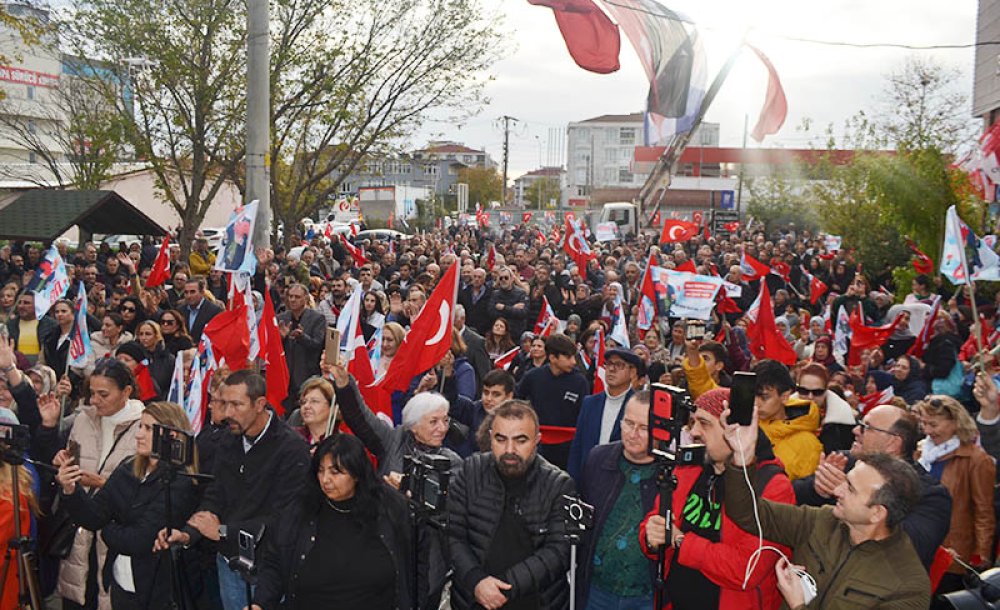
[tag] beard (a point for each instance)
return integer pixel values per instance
(512, 466)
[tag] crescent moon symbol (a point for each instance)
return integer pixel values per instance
(579, 245)
(671, 233)
(442, 327)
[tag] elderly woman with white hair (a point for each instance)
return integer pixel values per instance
(425, 424)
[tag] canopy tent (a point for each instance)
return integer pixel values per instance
(43, 215)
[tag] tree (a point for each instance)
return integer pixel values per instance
(922, 108)
(780, 199)
(485, 185)
(352, 98)
(541, 191)
(76, 135)
(179, 92)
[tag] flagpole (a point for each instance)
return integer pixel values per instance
(331, 419)
(976, 325)
(62, 401)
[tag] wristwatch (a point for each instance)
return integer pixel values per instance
(222, 532)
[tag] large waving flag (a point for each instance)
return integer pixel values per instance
(762, 333)
(678, 231)
(355, 352)
(866, 337)
(273, 348)
(429, 338)
(50, 281)
(591, 38)
(917, 349)
(964, 253)
(80, 349)
(230, 337)
(775, 109)
(600, 373)
(241, 293)
(577, 247)
(671, 54)
(161, 267)
(752, 269)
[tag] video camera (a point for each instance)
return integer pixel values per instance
(425, 482)
(670, 410)
(172, 445)
(14, 441)
(577, 515)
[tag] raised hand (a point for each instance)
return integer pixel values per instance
(742, 439)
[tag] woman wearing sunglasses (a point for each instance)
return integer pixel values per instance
(837, 416)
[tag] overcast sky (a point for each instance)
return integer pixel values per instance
(539, 84)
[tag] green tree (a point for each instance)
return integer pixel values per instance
(779, 199)
(540, 192)
(485, 185)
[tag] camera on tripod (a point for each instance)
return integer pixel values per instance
(577, 514)
(669, 411)
(425, 482)
(173, 446)
(14, 441)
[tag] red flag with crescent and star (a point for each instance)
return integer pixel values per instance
(678, 230)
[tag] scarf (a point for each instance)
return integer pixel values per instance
(931, 453)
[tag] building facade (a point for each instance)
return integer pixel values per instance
(435, 167)
(986, 77)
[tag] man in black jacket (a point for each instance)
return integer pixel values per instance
(510, 302)
(476, 300)
(505, 525)
(197, 310)
(891, 430)
(259, 468)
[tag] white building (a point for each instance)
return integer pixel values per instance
(600, 151)
(556, 174)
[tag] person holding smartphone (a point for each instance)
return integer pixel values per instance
(703, 364)
(130, 509)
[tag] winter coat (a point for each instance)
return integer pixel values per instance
(517, 318)
(969, 474)
(941, 355)
(883, 573)
(87, 431)
(129, 512)
(794, 438)
(724, 562)
(913, 388)
(475, 504)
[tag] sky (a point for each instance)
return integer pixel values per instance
(538, 83)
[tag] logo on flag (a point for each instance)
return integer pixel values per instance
(79, 344)
(50, 282)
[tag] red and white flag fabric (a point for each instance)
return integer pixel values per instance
(241, 293)
(577, 247)
(161, 266)
(144, 380)
(869, 401)
(647, 299)
(230, 337)
(924, 337)
(762, 333)
(491, 258)
(547, 322)
(678, 231)
(921, 262)
(429, 338)
(525, 218)
(357, 253)
(359, 364)
(592, 39)
(732, 227)
(80, 347)
(600, 373)
(752, 268)
(867, 337)
(724, 304)
(328, 230)
(816, 286)
(273, 349)
(781, 269)
(775, 109)
(506, 359)
(687, 266)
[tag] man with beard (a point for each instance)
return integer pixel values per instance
(260, 466)
(505, 521)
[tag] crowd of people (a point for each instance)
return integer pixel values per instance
(857, 484)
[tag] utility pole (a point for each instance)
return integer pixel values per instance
(506, 153)
(259, 119)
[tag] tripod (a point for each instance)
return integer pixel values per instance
(27, 586)
(180, 596)
(420, 514)
(666, 480)
(578, 517)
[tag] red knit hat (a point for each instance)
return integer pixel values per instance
(711, 401)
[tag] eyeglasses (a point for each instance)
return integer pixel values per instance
(131, 309)
(865, 427)
(504, 278)
(615, 365)
(629, 426)
(810, 391)
(167, 322)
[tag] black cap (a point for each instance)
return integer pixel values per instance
(629, 357)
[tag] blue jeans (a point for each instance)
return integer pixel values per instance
(599, 599)
(232, 587)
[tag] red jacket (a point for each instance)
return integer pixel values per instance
(724, 562)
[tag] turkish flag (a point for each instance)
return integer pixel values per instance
(688, 266)
(600, 373)
(732, 227)
(506, 359)
(866, 337)
(678, 230)
(273, 348)
(656, 220)
(526, 217)
(752, 268)
(230, 337)
(775, 109)
(429, 338)
(356, 253)
(781, 269)
(724, 304)
(762, 333)
(161, 267)
(491, 258)
(921, 262)
(816, 289)
(577, 247)
(592, 39)
(143, 378)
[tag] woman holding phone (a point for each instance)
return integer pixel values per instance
(130, 509)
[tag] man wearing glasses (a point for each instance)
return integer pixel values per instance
(510, 302)
(891, 430)
(600, 417)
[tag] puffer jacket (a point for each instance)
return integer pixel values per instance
(294, 538)
(724, 562)
(516, 318)
(794, 438)
(475, 504)
(969, 475)
(87, 431)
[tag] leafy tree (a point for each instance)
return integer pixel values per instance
(485, 185)
(779, 199)
(540, 192)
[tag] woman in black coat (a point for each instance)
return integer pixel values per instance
(130, 510)
(346, 544)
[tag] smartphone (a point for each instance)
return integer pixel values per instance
(73, 448)
(695, 330)
(332, 355)
(741, 398)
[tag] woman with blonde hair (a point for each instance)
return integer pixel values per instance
(950, 453)
(315, 398)
(28, 506)
(130, 509)
(392, 337)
